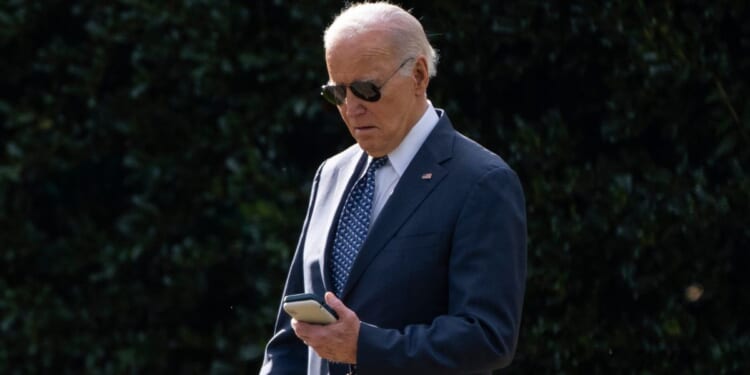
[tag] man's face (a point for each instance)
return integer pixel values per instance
(378, 127)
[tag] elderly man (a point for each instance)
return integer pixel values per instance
(415, 235)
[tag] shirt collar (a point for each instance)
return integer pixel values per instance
(404, 153)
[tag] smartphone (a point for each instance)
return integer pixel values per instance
(309, 308)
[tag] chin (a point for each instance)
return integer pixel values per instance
(372, 151)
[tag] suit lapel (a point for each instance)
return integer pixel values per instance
(423, 174)
(335, 183)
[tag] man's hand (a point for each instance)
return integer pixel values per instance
(336, 342)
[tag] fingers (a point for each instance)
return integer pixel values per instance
(302, 330)
(336, 341)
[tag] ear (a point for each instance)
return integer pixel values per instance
(421, 76)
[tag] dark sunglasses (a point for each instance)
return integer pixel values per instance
(365, 90)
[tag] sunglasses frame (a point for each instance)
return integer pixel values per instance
(336, 94)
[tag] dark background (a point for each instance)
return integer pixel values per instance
(156, 159)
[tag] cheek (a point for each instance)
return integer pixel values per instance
(345, 119)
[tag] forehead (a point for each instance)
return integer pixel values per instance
(360, 57)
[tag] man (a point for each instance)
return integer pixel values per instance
(415, 235)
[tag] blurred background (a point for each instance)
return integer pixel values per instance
(156, 160)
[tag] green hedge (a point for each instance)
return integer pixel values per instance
(156, 162)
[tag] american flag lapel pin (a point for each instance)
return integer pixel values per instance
(427, 176)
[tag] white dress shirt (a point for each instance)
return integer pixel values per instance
(387, 176)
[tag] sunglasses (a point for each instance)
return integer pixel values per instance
(365, 90)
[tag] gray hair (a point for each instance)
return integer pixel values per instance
(406, 32)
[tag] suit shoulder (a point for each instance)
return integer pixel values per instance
(474, 158)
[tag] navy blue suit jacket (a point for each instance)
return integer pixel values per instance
(440, 279)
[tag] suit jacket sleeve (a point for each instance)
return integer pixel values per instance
(285, 352)
(487, 271)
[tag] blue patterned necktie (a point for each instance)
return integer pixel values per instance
(353, 225)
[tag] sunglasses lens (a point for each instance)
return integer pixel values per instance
(334, 94)
(365, 91)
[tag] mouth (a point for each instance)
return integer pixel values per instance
(364, 129)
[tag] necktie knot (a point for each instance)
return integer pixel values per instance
(376, 163)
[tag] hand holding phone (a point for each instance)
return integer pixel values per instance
(309, 308)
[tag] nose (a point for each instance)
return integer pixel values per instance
(352, 106)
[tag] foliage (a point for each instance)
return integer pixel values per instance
(156, 162)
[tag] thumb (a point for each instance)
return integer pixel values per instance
(335, 303)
